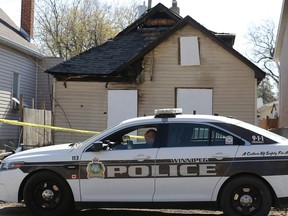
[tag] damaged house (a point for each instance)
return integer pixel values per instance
(160, 61)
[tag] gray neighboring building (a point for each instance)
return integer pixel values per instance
(21, 71)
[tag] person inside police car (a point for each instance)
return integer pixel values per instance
(150, 136)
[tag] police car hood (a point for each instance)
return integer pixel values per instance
(48, 153)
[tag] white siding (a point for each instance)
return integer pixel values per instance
(14, 61)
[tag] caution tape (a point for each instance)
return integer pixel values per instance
(18, 123)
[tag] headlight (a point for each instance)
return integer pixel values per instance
(11, 165)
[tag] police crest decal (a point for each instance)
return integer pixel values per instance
(95, 169)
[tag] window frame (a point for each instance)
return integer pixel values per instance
(15, 85)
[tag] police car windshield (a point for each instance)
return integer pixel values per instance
(95, 137)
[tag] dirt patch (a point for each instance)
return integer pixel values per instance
(16, 209)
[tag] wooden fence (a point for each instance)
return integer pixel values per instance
(269, 123)
(37, 136)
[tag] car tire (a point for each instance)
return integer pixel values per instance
(46, 193)
(246, 196)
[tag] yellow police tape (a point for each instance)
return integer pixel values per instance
(17, 123)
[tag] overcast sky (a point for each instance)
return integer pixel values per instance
(229, 16)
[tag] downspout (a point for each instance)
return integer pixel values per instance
(36, 85)
(52, 98)
(152, 66)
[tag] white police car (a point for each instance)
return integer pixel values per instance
(195, 162)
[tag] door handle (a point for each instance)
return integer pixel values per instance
(220, 156)
(142, 157)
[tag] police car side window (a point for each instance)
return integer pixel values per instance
(186, 135)
(137, 137)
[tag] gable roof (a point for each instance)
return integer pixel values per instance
(133, 43)
(159, 11)
(10, 35)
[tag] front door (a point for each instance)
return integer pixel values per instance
(123, 173)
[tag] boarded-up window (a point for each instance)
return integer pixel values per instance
(122, 105)
(198, 101)
(189, 51)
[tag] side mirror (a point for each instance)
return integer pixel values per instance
(97, 146)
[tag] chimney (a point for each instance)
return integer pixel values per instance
(141, 9)
(27, 18)
(175, 8)
(149, 4)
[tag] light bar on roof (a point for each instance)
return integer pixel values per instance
(174, 111)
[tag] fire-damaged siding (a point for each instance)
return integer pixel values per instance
(233, 83)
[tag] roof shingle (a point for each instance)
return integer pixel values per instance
(136, 41)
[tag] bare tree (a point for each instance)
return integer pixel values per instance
(123, 15)
(65, 28)
(262, 41)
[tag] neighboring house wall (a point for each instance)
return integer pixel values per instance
(84, 104)
(45, 82)
(283, 121)
(13, 61)
(281, 56)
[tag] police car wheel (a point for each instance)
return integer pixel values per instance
(246, 196)
(46, 193)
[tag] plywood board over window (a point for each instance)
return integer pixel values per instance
(189, 51)
(197, 101)
(122, 105)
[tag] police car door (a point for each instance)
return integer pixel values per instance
(121, 173)
(195, 158)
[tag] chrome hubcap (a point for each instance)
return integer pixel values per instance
(48, 195)
(246, 200)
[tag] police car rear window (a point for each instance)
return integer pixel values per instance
(188, 135)
(250, 135)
